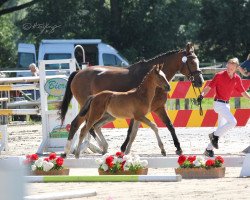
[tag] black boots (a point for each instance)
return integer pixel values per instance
(214, 140)
(209, 153)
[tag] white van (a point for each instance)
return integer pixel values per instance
(96, 53)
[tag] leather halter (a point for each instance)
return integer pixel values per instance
(191, 73)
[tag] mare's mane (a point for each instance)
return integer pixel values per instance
(159, 56)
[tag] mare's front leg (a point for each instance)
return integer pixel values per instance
(155, 129)
(133, 134)
(162, 114)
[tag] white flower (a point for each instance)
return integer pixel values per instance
(200, 159)
(119, 160)
(126, 166)
(104, 167)
(144, 163)
(197, 163)
(39, 162)
(127, 157)
(33, 167)
(99, 161)
(47, 166)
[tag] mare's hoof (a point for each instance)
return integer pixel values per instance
(63, 155)
(163, 152)
(179, 152)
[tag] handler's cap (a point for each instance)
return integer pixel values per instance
(234, 61)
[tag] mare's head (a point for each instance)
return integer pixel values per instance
(159, 78)
(190, 65)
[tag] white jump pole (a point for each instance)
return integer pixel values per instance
(104, 178)
(62, 195)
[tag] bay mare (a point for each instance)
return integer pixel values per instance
(133, 104)
(93, 80)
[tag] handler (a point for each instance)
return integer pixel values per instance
(224, 83)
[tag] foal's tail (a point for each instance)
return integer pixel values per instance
(63, 108)
(86, 106)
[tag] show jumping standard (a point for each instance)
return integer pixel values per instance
(134, 104)
(93, 80)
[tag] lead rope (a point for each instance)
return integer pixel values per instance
(199, 103)
(184, 60)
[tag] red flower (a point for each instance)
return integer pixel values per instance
(68, 127)
(28, 156)
(219, 159)
(181, 159)
(119, 154)
(59, 161)
(122, 165)
(191, 159)
(52, 156)
(210, 163)
(109, 161)
(34, 157)
(46, 159)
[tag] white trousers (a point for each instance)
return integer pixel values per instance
(226, 120)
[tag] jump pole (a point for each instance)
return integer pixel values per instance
(104, 178)
(62, 195)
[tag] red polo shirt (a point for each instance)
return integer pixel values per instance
(224, 85)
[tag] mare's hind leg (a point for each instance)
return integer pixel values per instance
(102, 138)
(162, 114)
(155, 129)
(133, 134)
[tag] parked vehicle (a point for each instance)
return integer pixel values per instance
(96, 53)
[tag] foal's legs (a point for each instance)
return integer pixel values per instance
(162, 114)
(133, 134)
(155, 129)
(75, 124)
(125, 143)
(83, 134)
(104, 120)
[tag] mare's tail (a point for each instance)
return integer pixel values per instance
(63, 108)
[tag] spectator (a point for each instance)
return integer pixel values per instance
(34, 70)
(244, 68)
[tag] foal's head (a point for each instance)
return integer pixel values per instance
(160, 78)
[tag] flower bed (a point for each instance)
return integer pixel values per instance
(197, 167)
(120, 164)
(51, 165)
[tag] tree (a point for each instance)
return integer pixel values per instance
(223, 29)
(8, 10)
(7, 46)
(137, 28)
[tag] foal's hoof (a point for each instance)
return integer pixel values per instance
(104, 152)
(77, 155)
(63, 155)
(163, 152)
(179, 152)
